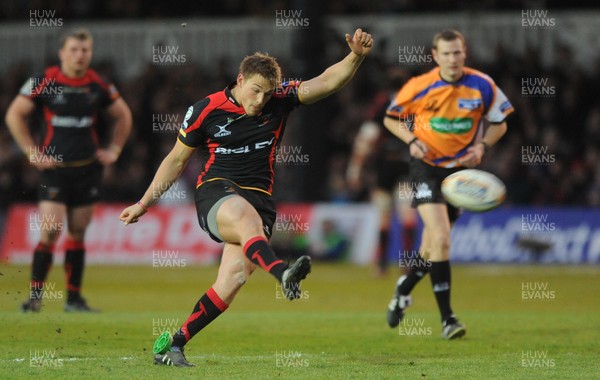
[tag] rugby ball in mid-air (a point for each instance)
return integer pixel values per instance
(473, 190)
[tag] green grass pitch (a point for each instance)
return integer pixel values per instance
(337, 331)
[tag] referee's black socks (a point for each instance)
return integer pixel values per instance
(419, 267)
(440, 281)
(260, 253)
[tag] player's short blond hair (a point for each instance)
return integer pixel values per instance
(262, 64)
(448, 35)
(81, 34)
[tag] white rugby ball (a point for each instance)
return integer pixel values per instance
(473, 190)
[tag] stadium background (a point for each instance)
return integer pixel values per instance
(525, 320)
(163, 58)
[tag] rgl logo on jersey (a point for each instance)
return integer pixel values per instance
(469, 104)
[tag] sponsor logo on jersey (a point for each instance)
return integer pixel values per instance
(246, 148)
(469, 104)
(457, 125)
(505, 106)
(222, 131)
(72, 121)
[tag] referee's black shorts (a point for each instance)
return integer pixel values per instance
(427, 183)
(74, 186)
(211, 194)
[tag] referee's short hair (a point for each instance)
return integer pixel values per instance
(79, 34)
(448, 35)
(262, 64)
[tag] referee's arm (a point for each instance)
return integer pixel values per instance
(398, 128)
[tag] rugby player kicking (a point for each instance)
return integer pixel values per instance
(236, 131)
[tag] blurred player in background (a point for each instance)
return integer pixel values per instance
(69, 159)
(379, 162)
(440, 116)
(237, 131)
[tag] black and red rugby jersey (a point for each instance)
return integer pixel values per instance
(236, 146)
(70, 110)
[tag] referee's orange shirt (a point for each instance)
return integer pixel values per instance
(448, 117)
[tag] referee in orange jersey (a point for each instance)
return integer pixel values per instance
(440, 116)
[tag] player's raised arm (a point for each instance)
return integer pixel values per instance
(169, 170)
(337, 75)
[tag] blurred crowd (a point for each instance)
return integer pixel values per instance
(565, 126)
(117, 9)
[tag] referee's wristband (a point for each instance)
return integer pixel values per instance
(142, 205)
(412, 141)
